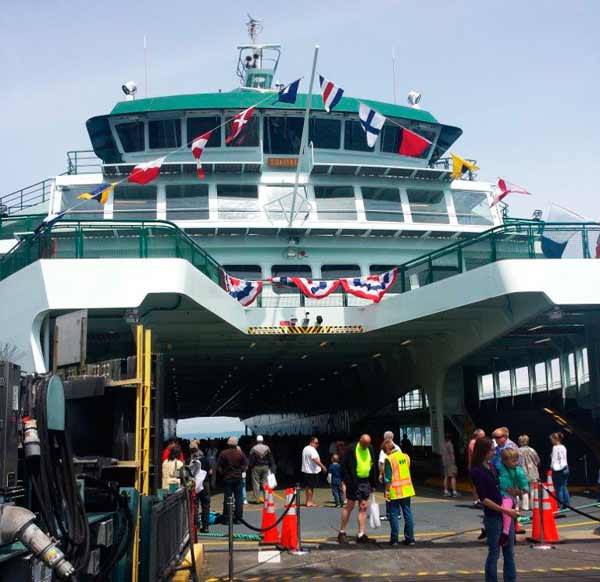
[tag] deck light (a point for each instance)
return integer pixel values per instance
(304, 356)
(377, 355)
(413, 98)
(541, 341)
(535, 328)
(406, 342)
(323, 344)
(354, 365)
(253, 344)
(130, 89)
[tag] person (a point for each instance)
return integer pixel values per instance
(513, 483)
(388, 435)
(334, 475)
(200, 471)
(449, 466)
(359, 472)
(261, 463)
(531, 461)
(478, 433)
(211, 454)
(398, 491)
(171, 467)
(167, 449)
(311, 467)
(485, 477)
(231, 465)
(560, 468)
(406, 445)
(500, 436)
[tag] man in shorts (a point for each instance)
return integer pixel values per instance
(360, 473)
(311, 467)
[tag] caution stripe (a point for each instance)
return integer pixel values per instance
(310, 330)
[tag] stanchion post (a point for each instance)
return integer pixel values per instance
(299, 551)
(230, 532)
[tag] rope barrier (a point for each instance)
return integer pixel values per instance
(582, 513)
(285, 512)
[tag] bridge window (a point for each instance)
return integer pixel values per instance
(237, 201)
(571, 374)
(248, 272)
(383, 204)
(135, 202)
(335, 202)
(164, 133)
(541, 381)
(281, 135)
(428, 206)
(187, 201)
(472, 208)
(131, 136)
(556, 381)
(486, 387)
(414, 400)
(325, 133)
(289, 271)
(504, 388)
(86, 209)
(378, 269)
(355, 137)
(522, 380)
(196, 126)
(248, 137)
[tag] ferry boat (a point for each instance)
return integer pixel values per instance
(476, 319)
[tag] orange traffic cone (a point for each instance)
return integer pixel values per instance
(544, 525)
(271, 535)
(550, 486)
(289, 528)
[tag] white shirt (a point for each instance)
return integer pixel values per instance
(309, 458)
(382, 455)
(559, 457)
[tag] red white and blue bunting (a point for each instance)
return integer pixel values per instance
(372, 287)
(308, 287)
(243, 291)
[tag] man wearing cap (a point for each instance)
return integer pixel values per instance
(230, 465)
(261, 463)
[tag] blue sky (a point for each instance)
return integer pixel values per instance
(521, 78)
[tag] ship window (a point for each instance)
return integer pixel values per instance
(390, 137)
(237, 201)
(164, 133)
(131, 136)
(248, 137)
(335, 202)
(135, 202)
(187, 201)
(541, 382)
(522, 380)
(504, 388)
(378, 269)
(281, 135)
(332, 272)
(196, 126)
(571, 371)
(383, 204)
(413, 400)
(556, 382)
(86, 209)
(428, 206)
(277, 202)
(486, 387)
(355, 137)
(472, 207)
(325, 133)
(289, 271)
(248, 272)
(584, 373)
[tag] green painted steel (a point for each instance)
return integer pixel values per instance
(244, 99)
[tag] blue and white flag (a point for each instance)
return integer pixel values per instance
(555, 238)
(289, 93)
(331, 93)
(243, 291)
(371, 122)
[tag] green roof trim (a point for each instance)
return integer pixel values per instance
(244, 99)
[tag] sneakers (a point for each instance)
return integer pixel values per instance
(343, 538)
(455, 494)
(408, 543)
(394, 544)
(482, 535)
(364, 539)
(447, 494)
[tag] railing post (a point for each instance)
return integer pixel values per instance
(459, 259)
(493, 249)
(586, 242)
(78, 242)
(143, 243)
(530, 242)
(430, 269)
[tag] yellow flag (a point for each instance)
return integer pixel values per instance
(101, 193)
(460, 166)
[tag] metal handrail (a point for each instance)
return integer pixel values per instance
(83, 162)
(26, 197)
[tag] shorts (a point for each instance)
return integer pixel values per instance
(450, 471)
(360, 492)
(311, 480)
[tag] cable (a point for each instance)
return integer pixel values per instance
(582, 513)
(260, 529)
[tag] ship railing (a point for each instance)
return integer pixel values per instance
(446, 164)
(83, 162)
(27, 197)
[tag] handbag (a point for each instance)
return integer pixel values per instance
(373, 513)
(271, 480)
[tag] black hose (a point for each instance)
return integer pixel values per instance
(260, 529)
(582, 513)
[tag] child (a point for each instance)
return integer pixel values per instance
(334, 476)
(513, 482)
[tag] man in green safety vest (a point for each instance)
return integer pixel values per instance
(398, 491)
(359, 473)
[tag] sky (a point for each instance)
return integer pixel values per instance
(217, 426)
(521, 79)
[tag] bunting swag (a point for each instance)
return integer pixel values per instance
(372, 287)
(308, 287)
(243, 291)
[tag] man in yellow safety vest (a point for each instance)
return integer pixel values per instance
(398, 491)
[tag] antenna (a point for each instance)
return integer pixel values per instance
(394, 73)
(145, 67)
(255, 27)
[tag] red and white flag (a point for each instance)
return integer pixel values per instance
(146, 172)
(412, 144)
(505, 188)
(238, 123)
(198, 146)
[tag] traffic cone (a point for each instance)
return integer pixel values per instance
(289, 528)
(551, 490)
(535, 515)
(547, 521)
(270, 536)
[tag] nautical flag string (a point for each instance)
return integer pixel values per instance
(331, 93)
(243, 291)
(198, 146)
(372, 287)
(100, 193)
(238, 123)
(289, 93)
(371, 122)
(146, 172)
(505, 188)
(308, 287)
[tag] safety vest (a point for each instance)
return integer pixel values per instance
(401, 484)
(363, 462)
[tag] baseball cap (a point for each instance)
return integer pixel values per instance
(259, 438)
